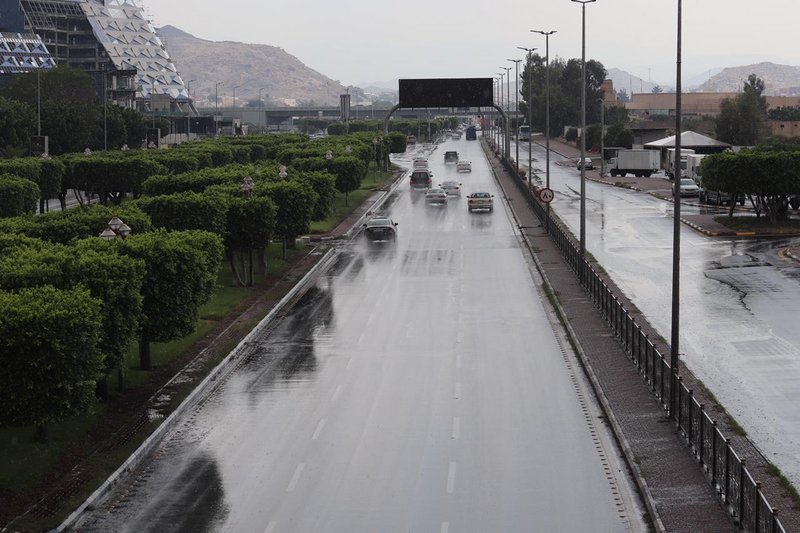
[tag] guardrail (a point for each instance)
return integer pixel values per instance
(725, 470)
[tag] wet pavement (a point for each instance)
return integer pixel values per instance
(423, 386)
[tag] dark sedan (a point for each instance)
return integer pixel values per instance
(380, 229)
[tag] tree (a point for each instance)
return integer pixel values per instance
(17, 125)
(249, 228)
(657, 89)
(785, 113)
(49, 354)
(295, 203)
(619, 136)
(180, 271)
(17, 196)
(742, 120)
(623, 96)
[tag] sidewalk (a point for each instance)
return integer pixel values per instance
(672, 481)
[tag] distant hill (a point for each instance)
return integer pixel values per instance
(285, 79)
(779, 80)
(629, 82)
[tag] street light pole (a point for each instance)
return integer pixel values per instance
(233, 126)
(602, 137)
(499, 128)
(676, 239)
(261, 113)
(516, 105)
(189, 109)
(39, 101)
(216, 107)
(507, 151)
(105, 109)
(529, 66)
(547, 35)
(583, 126)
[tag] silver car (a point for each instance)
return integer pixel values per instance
(452, 188)
(436, 197)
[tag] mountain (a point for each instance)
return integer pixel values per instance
(249, 67)
(629, 82)
(779, 80)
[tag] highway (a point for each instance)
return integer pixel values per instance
(424, 386)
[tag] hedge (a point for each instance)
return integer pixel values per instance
(18, 196)
(187, 210)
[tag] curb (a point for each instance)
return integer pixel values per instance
(700, 228)
(605, 406)
(214, 378)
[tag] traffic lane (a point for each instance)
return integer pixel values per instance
(739, 301)
(404, 392)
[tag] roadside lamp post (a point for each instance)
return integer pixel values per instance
(516, 105)
(494, 121)
(674, 358)
(500, 141)
(247, 186)
(216, 107)
(261, 113)
(233, 126)
(602, 137)
(189, 109)
(115, 229)
(507, 151)
(583, 127)
(547, 35)
(39, 101)
(529, 66)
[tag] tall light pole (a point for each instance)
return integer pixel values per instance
(529, 66)
(261, 113)
(189, 109)
(516, 104)
(500, 128)
(233, 126)
(39, 101)
(602, 136)
(583, 126)
(547, 35)
(216, 107)
(105, 109)
(676, 239)
(507, 151)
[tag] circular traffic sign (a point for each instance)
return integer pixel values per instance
(546, 195)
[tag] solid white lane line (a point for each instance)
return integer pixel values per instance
(319, 428)
(451, 478)
(456, 428)
(445, 527)
(271, 527)
(457, 392)
(336, 393)
(296, 477)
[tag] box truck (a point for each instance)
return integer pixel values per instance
(669, 165)
(637, 162)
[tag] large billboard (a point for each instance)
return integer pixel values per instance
(446, 92)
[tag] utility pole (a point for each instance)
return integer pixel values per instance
(674, 357)
(516, 105)
(189, 109)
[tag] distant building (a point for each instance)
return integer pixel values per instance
(650, 105)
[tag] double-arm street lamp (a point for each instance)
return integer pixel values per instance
(216, 107)
(516, 103)
(583, 126)
(507, 150)
(529, 66)
(547, 35)
(261, 112)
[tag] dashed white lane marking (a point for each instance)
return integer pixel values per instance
(319, 428)
(457, 391)
(349, 362)
(445, 527)
(460, 337)
(360, 339)
(296, 477)
(459, 360)
(336, 393)
(271, 527)
(456, 428)
(451, 478)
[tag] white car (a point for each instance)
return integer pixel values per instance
(436, 197)
(480, 200)
(420, 163)
(689, 187)
(452, 188)
(464, 166)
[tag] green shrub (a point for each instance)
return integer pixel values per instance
(18, 196)
(185, 211)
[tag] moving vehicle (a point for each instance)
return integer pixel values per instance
(464, 166)
(452, 188)
(794, 201)
(669, 166)
(637, 162)
(694, 167)
(380, 229)
(411, 139)
(689, 187)
(420, 163)
(451, 157)
(472, 133)
(421, 179)
(436, 197)
(524, 133)
(480, 200)
(589, 164)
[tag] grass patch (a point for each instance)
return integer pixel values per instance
(374, 181)
(749, 223)
(775, 471)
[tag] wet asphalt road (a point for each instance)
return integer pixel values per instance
(420, 387)
(740, 300)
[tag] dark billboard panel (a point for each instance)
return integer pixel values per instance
(446, 92)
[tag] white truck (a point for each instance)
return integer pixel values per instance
(669, 165)
(637, 162)
(693, 162)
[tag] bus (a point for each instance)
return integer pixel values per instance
(524, 133)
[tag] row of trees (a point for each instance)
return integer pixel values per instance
(71, 304)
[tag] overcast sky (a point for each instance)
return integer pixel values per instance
(356, 41)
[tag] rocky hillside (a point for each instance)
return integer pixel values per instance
(285, 79)
(630, 82)
(778, 79)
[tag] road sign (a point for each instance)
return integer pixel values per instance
(546, 195)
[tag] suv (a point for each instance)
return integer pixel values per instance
(589, 164)
(451, 157)
(421, 179)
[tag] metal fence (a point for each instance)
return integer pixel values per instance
(723, 467)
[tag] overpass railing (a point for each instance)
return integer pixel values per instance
(725, 470)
